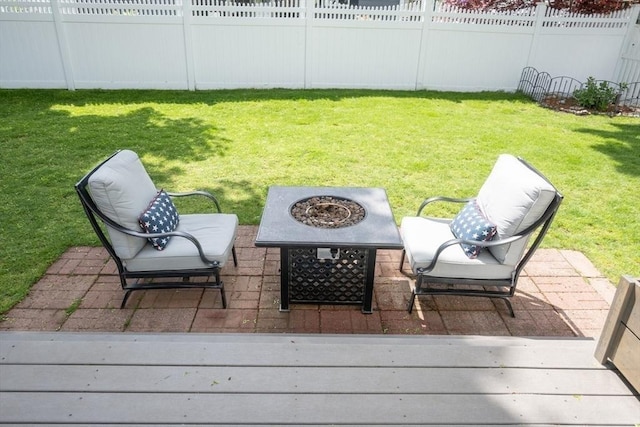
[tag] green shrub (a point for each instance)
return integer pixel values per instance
(596, 96)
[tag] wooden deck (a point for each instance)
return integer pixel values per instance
(254, 379)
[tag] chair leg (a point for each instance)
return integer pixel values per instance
(411, 301)
(509, 306)
(402, 259)
(124, 300)
(235, 256)
(414, 292)
(223, 297)
(220, 285)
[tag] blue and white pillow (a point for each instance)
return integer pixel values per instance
(471, 224)
(160, 217)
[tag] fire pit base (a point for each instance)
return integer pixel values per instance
(327, 275)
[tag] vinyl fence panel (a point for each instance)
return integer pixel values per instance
(628, 69)
(213, 44)
(264, 55)
(29, 51)
(581, 46)
(127, 55)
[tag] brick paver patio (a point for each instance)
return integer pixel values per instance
(560, 294)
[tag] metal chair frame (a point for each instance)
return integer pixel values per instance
(141, 279)
(498, 288)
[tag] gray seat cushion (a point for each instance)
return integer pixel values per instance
(513, 198)
(422, 236)
(122, 189)
(215, 232)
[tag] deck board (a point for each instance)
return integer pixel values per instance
(148, 379)
(240, 350)
(253, 379)
(279, 409)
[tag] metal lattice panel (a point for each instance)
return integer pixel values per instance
(340, 280)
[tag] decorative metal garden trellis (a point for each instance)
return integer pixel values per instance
(540, 86)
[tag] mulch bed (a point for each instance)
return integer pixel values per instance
(570, 105)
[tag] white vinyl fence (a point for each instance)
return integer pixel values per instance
(212, 44)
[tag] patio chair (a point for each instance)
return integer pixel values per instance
(482, 251)
(153, 246)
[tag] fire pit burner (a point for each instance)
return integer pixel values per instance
(327, 212)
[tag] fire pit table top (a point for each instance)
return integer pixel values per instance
(278, 228)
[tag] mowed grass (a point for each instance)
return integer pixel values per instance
(237, 143)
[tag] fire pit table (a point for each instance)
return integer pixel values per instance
(328, 238)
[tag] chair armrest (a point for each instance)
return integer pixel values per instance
(544, 221)
(452, 242)
(198, 193)
(182, 234)
(442, 199)
(144, 235)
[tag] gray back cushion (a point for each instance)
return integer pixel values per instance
(513, 197)
(122, 190)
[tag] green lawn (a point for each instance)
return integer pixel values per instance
(238, 143)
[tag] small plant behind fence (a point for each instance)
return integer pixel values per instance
(540, 86)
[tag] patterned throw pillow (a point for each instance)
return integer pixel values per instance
(160, 217)
(471, 224)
